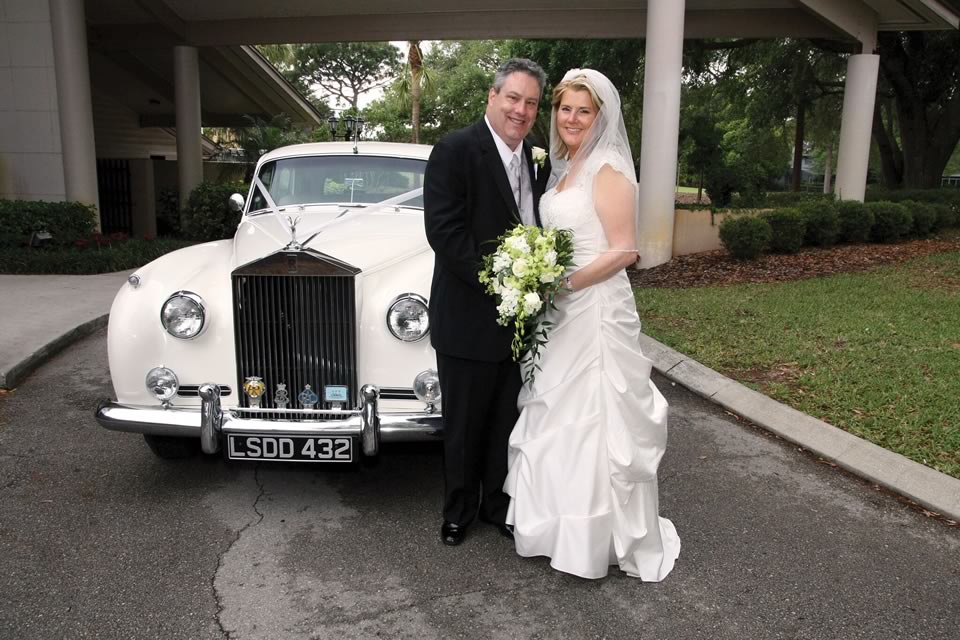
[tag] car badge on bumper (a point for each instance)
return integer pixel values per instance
(254, 388)
(308, 398)
(281, 398)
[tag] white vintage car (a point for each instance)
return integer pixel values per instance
(305, 337)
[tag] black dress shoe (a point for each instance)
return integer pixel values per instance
(452, 534)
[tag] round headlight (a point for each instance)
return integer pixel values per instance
(183, 315)
(426, 386)
(162, 383)
(407, 317)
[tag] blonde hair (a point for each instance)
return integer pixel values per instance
(577, 83)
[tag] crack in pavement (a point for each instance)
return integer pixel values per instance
(236, 539)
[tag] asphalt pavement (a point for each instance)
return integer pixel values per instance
(100, 539)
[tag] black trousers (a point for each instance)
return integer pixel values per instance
(479, 411)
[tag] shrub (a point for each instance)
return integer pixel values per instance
(99, 254)
(745, 237)
(778, 199)
(947, 196)
(788, 227)
(855, 219)
(168, 212)
(208, 216)
(720, 181)
(946, 217)
(892, 221)
(924, 217)
(823, 222)
(65, 221)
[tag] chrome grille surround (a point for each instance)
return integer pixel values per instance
(295, 323)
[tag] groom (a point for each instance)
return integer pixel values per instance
(480, 182)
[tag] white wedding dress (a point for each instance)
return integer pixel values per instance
(583, 455)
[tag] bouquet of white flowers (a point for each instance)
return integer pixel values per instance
(524, 275)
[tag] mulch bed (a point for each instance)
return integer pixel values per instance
(718, 268)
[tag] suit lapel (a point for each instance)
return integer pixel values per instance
(495, 165)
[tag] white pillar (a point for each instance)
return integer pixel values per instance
(856, 126)
(661, 130)
(186, 75)
(69, 30)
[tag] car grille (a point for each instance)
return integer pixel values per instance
(295, 324)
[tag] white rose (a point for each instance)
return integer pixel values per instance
(518, 244)
(520, 267)
(531, 303)
(539, 155)
(550, 257)
(547, 277)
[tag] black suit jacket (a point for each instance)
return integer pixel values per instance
(468, 203)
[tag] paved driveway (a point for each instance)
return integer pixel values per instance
(100, 539)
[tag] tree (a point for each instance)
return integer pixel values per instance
(414, 80)
(916, 123)
(456, 95)
(262, 136)
(345, 70)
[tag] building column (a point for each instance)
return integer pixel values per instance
(661, 130)
(68, 27)
(186, 72)
(859, 95)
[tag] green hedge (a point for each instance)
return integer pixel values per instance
(892, 221)
(207, 215)
(855, 221)
(65, 221)
(947, 196)
(745, 237)
(823, 222)
(99, 254)
(924, 217)
(789, 229)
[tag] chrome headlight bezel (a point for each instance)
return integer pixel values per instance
(393, 308)
(426, 386)
(194, 299)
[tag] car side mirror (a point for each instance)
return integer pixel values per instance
(236, 203)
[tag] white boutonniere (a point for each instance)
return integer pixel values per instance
(539, 155)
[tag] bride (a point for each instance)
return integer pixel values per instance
(583, 455)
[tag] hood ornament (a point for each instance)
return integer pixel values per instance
(292, 224)
(254, 388)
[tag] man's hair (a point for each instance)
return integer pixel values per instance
(523, 65)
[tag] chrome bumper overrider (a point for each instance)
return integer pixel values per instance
(211, 420)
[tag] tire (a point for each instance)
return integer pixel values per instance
(171, 448)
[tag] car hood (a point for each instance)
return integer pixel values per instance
(368, 240)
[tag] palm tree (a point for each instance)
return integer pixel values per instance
(415, 79)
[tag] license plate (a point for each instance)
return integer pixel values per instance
(289, 448)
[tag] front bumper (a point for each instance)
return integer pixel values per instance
(211, 420)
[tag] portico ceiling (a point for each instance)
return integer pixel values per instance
(122, 24)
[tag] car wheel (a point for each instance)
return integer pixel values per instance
(171, 448)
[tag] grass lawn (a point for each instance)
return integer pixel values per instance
(876, 353)
(686, 189)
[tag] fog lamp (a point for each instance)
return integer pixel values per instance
(162, 383)
(426, 386)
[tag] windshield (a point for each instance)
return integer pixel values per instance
(339, 180)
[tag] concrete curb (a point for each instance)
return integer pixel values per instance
(936, 491)
(18, 372)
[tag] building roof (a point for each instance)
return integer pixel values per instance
(163, 23)
(235, 81)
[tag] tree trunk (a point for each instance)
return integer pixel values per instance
(700, 188)
(891, 158)
(828, 169)
(415, 60)
(798, 146)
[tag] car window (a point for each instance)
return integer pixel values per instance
(339, 179)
